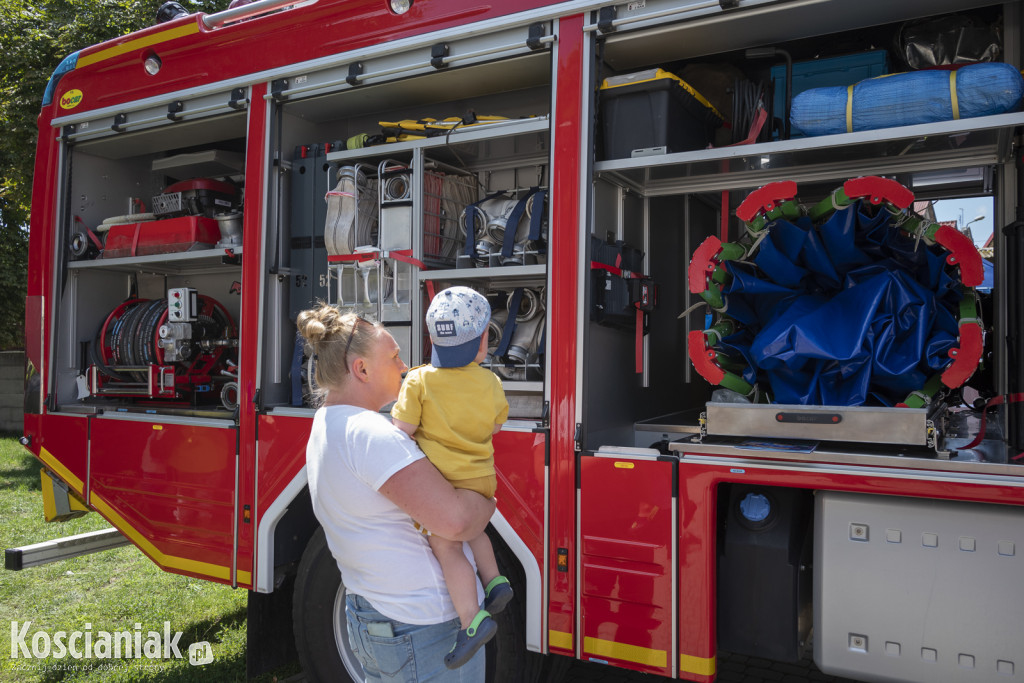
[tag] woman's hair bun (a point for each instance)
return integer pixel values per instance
(315, 324)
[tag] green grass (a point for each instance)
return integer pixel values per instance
(112, 590)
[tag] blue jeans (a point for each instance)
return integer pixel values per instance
(392, 651)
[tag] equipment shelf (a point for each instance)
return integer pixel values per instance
(516, 386)
(490, 275)
(471, 142)
(177, 263)
(925, 147)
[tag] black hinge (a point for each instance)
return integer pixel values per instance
(238, 99)
(355, 70)
(577, 438)
(437, 54)
(545, 415)
(277, 88)
(728, 4)
(537, 31)
(174, 110)
(605, 17)
(119, 121)
(67, 131)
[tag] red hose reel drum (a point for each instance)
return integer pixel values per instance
(129, 351)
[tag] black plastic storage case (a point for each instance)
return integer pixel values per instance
(652, 109)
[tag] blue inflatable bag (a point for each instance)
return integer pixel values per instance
(906, 99)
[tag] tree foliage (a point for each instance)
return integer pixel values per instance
(34, 38)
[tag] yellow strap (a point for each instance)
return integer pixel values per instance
(849, 109)
(952, 95)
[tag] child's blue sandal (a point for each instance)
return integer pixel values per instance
(497, 594)
(471, 639)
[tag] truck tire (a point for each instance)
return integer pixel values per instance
(508, 660)
(318, 615)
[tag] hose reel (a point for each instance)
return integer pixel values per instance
(853, 300)
(154, 348)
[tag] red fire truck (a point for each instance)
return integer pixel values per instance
(641, 190)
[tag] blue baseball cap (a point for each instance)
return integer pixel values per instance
(456, 319)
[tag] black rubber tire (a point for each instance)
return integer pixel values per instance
(315, 608)
(508, 660)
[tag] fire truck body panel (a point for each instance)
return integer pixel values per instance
(241, 51)
(567, 213)
(626, 555)
(68, 437)
(700, 480)
(522, 455)
(174, 496)
(626, 529)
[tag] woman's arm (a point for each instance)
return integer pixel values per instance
(421, 491)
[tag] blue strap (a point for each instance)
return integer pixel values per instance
(297, 371)
(512, 224)
(510, 323)
(469, 249)
(537, 217)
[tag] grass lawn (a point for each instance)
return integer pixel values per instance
(108, 591)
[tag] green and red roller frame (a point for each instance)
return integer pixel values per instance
(707, 272)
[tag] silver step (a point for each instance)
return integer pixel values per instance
(46, 552)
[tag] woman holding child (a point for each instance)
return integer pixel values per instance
(368, 480)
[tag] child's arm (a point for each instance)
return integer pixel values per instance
(408, 428)
(408, 404)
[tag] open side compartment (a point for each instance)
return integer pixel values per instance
(149, 253)
(374, 204)
(641, 388)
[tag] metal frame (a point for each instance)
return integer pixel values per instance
(38, 554)
(624, 170)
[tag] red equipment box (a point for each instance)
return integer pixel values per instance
(185, 233)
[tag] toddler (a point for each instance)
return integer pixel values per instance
(452, 407)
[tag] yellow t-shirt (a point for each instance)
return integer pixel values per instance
(455, 410)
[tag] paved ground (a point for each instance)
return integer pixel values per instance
(731, 669)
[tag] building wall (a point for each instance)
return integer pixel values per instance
(12, 391)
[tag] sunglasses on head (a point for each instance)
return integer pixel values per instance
(351, 334)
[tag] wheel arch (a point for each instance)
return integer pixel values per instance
(283, 531)
(534, 580)
(292, 511)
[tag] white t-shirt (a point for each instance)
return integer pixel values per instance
(382, 556)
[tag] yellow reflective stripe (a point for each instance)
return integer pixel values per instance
(628, 653)
(704, 666)
(660, 74)
(560, 639)
(63, 472)
(952, 95)
(168, 561)
(153, 39)
(849, 109)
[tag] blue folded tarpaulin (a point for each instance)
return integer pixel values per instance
(844, 313)
(911, 98)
